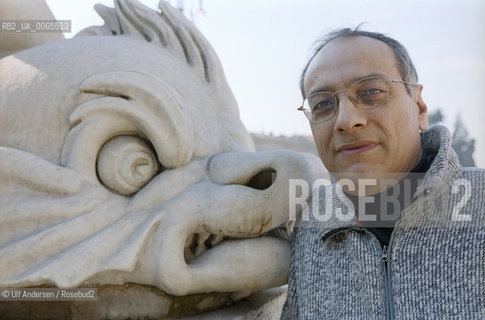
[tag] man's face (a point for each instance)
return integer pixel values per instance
(360, 142)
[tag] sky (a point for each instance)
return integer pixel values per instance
(264, 44)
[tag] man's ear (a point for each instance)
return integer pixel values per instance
(422, 108)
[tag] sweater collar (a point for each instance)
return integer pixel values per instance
(437, 140)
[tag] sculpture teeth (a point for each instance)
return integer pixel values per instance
(281, 232)
(284, 231)
(200, 242)
(214, 240)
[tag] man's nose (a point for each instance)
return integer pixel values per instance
(348, 117)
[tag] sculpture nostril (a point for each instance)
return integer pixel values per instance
(263, 180)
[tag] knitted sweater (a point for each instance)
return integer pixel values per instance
(434, 267)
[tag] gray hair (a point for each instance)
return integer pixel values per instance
(406, 67)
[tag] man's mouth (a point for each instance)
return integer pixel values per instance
(356, 147)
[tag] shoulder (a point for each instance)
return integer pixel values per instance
(474, 176)
(468, 193)
(473, 171)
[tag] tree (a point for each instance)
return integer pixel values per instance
(463, 144)
(435, 117)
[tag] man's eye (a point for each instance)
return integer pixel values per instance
(370, 93)
(323, 105)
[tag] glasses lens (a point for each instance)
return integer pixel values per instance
(369, 93)
(322, 106)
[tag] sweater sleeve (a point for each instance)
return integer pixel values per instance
(290, 308)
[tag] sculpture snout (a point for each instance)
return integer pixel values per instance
(218, 242)
(266, 176)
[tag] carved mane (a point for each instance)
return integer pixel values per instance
(167, 28)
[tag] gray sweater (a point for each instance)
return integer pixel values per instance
(434, 267)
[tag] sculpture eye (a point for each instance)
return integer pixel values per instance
(126, 164)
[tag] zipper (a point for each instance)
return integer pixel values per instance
(386, 265)
(385, 260)
(386, 268)
(386, 253)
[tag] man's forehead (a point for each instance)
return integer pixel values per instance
(348, 58)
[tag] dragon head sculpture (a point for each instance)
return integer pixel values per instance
(123, 160)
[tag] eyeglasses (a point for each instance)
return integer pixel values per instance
(367, 93)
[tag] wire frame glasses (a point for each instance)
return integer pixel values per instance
(366, 93)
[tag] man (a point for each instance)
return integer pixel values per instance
(401, 232)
